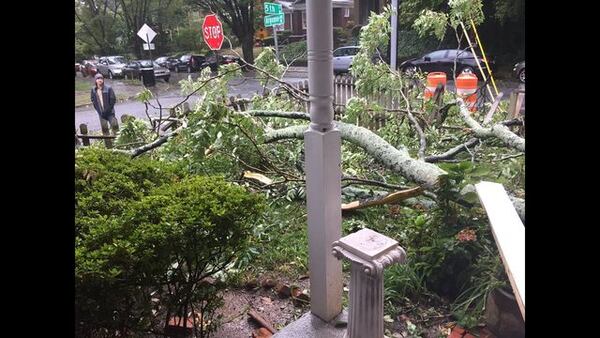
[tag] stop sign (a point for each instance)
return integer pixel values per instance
(212, 30)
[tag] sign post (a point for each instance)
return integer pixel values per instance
(273, 19)
(147, 34)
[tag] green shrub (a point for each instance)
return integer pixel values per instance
(341, 36)
(410, 45)
(133, 133)
(148, 240)
(294, 50)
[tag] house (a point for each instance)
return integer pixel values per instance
(353, 12)
(362, 9)
(295, 14)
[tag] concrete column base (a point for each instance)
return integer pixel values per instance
(311, 326)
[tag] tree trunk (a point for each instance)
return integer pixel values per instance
(248, 47)
(423, 173)
(498, 130)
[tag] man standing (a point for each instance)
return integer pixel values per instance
(104, 99)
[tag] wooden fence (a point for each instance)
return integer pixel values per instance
(85, 137)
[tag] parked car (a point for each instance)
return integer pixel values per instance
(342, 58)
(161, 72)
(520, 71)
(111, 66)
(443, 61)
(168, 62)
(133, 70)
(88, 68)
(211, 60)
(191, 63)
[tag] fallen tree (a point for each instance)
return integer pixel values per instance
(498, 130)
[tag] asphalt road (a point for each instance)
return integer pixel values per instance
(246, 87)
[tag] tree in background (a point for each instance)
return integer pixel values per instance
(110, 26)
(96, 27)
(502, 32)
(239, 16)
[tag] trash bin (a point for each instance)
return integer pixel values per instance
(148, 76)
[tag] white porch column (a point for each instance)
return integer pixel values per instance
(323, 175)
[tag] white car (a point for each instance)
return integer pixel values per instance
(111, 66)
(342, 58)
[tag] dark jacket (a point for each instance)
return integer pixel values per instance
(109, 99)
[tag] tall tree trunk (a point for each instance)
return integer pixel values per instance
(248, 48)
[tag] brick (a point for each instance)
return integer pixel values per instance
(262, 333)
(283, 290)
(455, 334)
(485, 333)
(459, 330)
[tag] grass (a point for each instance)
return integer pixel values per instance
(255, 51)
(282, 242)
(82, 98)
(83, 86)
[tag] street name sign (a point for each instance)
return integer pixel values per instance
(273, 20)
(272, 8)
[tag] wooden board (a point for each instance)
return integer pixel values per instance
(509, 234)
(389, 198)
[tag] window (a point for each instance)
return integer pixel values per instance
(303, 19)
(461, 54)
(346, 12)
(289, 24)
(353, 51)
(436, 55)
(338, 52)
(116, 60)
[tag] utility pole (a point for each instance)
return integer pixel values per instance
(394, 37)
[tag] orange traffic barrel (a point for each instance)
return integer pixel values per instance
(433, 79)
(466, 88)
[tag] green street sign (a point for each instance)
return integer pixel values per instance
(273, 20)
(271, 8)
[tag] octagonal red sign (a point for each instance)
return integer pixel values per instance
(212, 29)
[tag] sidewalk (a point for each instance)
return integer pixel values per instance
(298, 69)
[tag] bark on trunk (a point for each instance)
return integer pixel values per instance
(248, 48)
(498, 130)
(422, 173)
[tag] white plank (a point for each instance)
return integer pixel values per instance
(509, 234)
